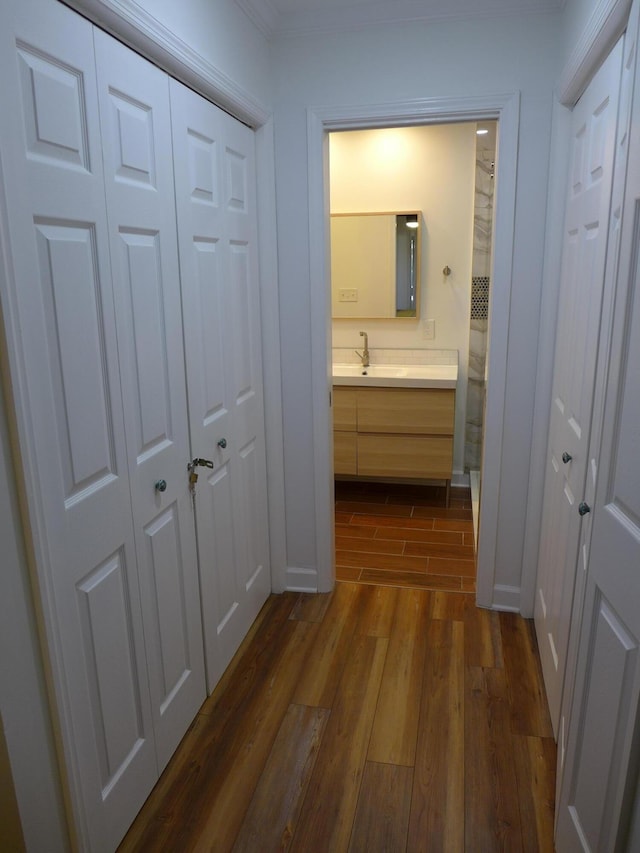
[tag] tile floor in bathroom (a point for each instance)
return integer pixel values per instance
(404, 535)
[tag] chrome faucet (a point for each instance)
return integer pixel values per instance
(364, 355)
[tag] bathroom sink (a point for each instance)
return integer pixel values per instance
(402, 375)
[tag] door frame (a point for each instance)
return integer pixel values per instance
(505, 109)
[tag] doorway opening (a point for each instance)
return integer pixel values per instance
(406, 534)
(321, 122)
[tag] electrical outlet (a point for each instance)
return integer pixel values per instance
(429, 330)
(348, 294)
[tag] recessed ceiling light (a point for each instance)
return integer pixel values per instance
(481, 131)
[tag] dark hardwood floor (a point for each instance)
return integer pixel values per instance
(404, 535)
(374, 718)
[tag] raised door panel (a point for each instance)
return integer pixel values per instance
(581, 297)
(604, 723)
(244, 373)
(405, 456)
(197, 144)
(61, 332)
(137, 151)
(215, 198)
(406, 411)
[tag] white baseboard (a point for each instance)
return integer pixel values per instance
(460, 480)
(506, 598)
(301, 580)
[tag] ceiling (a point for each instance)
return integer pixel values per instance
(302, 17)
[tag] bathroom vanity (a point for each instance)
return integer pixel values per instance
(394, 422)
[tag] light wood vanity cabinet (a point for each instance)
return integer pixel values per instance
(345, 421)
(404, 433)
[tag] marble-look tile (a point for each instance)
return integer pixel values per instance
(481, 326)
(481, 267)
(475, 401)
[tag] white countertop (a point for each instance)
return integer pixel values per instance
(397, 375)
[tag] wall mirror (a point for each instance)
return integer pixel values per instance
(375, 265)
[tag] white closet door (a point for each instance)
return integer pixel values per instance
(215, 199)
(59, 316)
(601, 775)
(583, 264)
(136, 134)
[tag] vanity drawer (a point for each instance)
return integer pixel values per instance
(345, 453)
(418, 411)
(344, 409)
(405, 456)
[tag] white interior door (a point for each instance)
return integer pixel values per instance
(583, 264)
(138, 163)
(215, 199)
(602, 764)
(59, 317)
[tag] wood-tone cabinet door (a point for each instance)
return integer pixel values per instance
(345, 415)
(410, 411)
(345, 453)
(405, 456)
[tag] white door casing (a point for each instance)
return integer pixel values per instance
(217, 230)
(601, 768)
(61, 331)
(583, 263)
(138, 163)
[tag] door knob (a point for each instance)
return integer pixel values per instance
(222, 443)
(161, 486)
(566, 457)
(584, 508)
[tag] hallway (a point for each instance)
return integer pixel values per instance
(369, 719)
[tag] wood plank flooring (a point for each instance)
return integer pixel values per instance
(404, 535)
(373, 718)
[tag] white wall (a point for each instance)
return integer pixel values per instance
(391, 64)
(431, 169)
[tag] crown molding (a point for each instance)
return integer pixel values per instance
(322, 19)
(134, 26)
(605, 26)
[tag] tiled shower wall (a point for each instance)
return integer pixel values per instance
(480, 282)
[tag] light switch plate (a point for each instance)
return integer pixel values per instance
(348, 294)
(429, 330)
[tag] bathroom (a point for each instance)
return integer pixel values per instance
(446, 172)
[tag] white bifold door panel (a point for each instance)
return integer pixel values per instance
(600, 784)
(138, 166)
(217, 227)
(582, 276)
(59, 312)
(93, 285)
